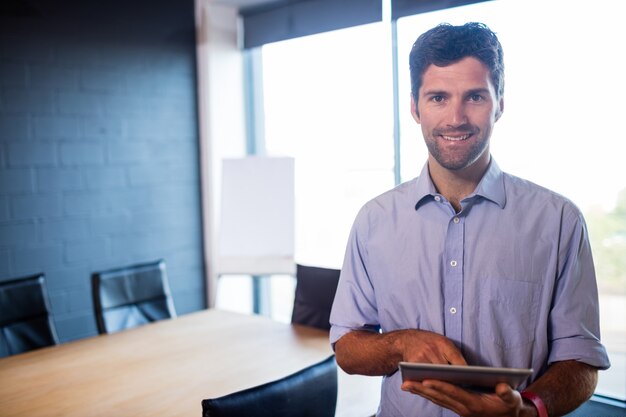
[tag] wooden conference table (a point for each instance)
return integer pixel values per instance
(167, 368)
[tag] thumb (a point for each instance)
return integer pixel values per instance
(506, 393)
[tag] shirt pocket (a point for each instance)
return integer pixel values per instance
(508, 311)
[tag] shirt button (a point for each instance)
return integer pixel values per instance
(456, 220)
(453, 263)
(437, 198)
(452, 310)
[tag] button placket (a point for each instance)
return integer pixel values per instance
(453, 279)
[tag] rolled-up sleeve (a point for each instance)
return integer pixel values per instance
(574, 319)
(354, 307)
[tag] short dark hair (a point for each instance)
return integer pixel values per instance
(445, 44)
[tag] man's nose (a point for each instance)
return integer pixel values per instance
(457, 114)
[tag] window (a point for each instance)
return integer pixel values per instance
(563, 100)
(328, 102)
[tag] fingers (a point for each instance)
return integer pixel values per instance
(428, 347)
(505, 401)
(454, 357)
(441, 393)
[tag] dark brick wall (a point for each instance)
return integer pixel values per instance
(98, 147)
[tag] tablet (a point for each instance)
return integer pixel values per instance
(477, 378)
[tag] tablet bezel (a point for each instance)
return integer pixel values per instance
(479, 378)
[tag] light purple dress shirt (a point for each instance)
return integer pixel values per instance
(509, 279)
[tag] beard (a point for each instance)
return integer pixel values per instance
(465, 155)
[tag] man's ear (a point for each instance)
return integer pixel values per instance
(500, 109)
(414, 111)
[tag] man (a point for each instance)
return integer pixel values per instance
(466, 264)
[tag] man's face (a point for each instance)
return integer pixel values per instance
(457, 109)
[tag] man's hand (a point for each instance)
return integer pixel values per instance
(505, 402)
(368, 353)
(428, 347)
(563, 387)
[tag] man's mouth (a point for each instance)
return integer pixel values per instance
(456, 138)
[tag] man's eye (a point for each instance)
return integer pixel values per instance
(476, 97)
(437, 99)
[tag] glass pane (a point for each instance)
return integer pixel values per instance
(234, 293)
(564, 92)
(328, 103)
(282, 292)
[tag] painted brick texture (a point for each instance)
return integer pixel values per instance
(99, 148)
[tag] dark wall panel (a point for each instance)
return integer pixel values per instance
(98, 147)
(401, 8)
(287, 19)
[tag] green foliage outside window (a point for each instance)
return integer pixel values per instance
(607, 233)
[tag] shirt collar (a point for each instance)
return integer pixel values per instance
(490, 187)
(425, 189)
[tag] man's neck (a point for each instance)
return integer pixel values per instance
(456, 185)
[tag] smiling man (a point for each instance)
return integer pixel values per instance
(467, 264)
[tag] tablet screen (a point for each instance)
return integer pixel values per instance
(481, 378)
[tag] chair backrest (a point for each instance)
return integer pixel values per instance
(25, 320)
(131, 296)
(311, 392)
(315, 292)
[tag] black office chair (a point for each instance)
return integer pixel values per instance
(597, 409)
(315, 292)
(25, 321)
(311, 392)
(131, 296)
